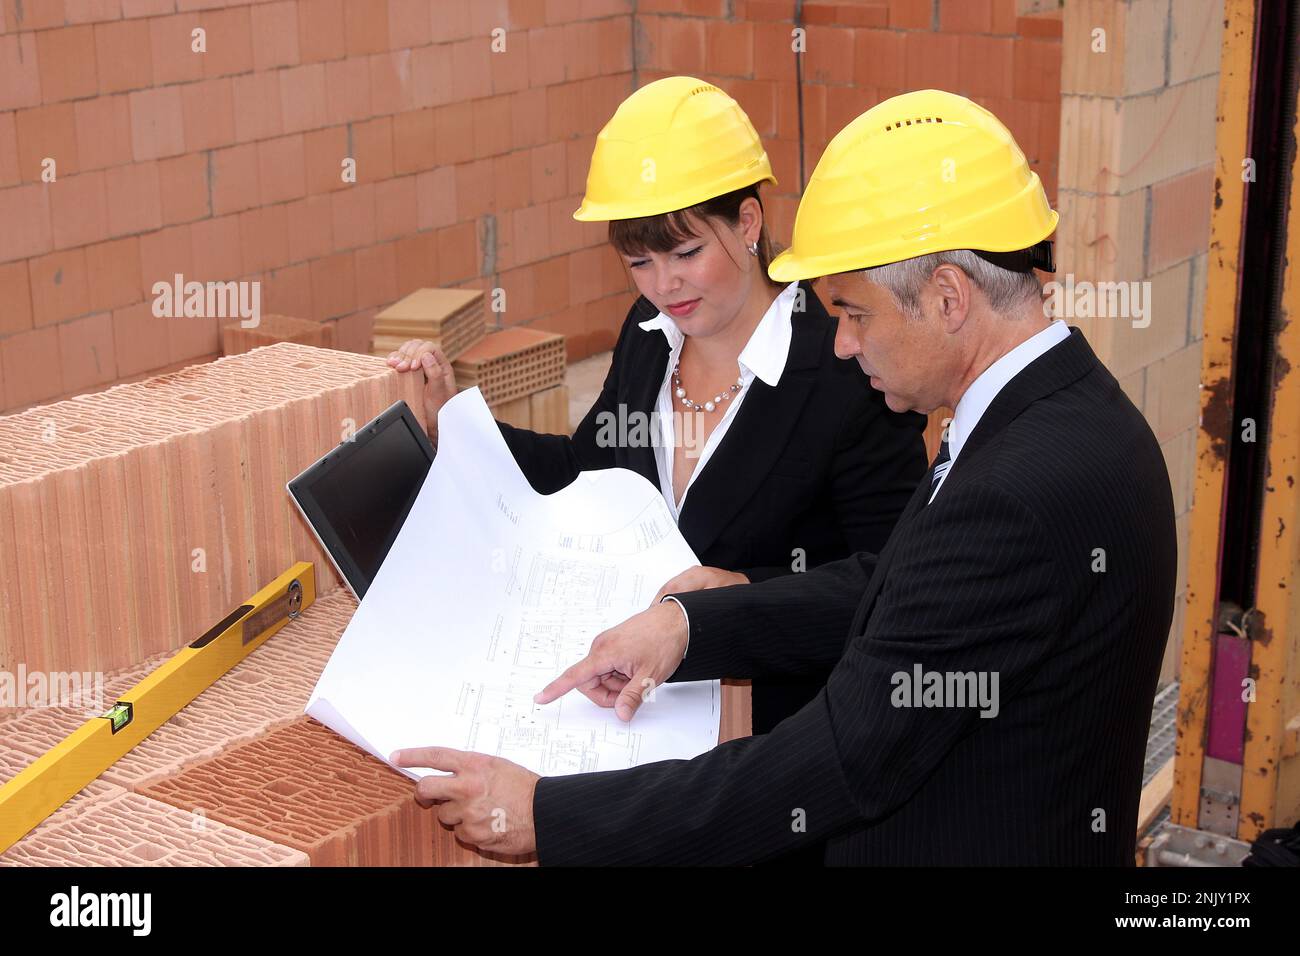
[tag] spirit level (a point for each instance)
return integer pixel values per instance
(52, 779)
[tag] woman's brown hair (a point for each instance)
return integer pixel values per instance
(666, 231)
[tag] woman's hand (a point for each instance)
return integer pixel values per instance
(439, 379)
(698, 579)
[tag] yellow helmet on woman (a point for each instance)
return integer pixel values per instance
(672, 144)
(923, 172)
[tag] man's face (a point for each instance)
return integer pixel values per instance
(900, 354)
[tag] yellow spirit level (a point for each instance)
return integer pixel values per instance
(52, 779)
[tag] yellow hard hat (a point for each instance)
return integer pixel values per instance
(672, 144)
(923, 172)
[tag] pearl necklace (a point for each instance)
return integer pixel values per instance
(714, 403)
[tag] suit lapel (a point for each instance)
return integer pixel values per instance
(642, 394)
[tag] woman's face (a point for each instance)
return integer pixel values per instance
(702, 283)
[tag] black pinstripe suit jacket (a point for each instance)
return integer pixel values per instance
(1048, 558)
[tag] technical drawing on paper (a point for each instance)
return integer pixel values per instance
(504, 721)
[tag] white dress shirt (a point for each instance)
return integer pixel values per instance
(763, 356)
(981, 392)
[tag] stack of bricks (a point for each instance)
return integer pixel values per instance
(452, 319)
(132, 519)
(520, 372)
(236, 338)
(240, 777)
(1139, 82)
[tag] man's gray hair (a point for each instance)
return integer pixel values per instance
(1004, 289)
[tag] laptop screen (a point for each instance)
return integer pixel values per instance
(357, 497)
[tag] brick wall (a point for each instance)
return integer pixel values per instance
(469, 162)
(1137, 148)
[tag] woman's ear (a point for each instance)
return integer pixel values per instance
(750, 220)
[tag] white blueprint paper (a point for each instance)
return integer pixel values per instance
(488, 593)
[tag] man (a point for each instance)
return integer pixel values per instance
(994, 666)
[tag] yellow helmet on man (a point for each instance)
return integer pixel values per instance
(922, 172)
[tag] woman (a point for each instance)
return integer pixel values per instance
(780, 456)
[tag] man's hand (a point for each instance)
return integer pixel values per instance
(488, 801)
(699, 579)
(439, 378)
(627, 662)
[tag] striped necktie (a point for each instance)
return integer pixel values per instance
(942, 462)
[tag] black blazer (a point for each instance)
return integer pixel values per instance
(817, 463)
(1002, 574)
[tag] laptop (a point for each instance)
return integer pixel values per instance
(356, 497)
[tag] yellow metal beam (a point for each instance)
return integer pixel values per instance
(1270, 778)
(1214, 438)
(53, 778)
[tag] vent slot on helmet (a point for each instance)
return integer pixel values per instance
(706, 88)
(914, 122)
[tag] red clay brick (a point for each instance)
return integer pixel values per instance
(229, 42)
(311, 228)
(1037, 70)
(333, 286)
(20, 78)
(157, 123)
(288, 290)
(78, 211)
(323, 153)
(235, 179)
(391, 90)
(46, 132)
(435, 197)
(984, 65)
(183, 187)
(281, 169)
(87, 352)
(365, 24)
(163, 254)
(306, 787)
(932, 61)
(275, 34)
(67, 63)
(372, 143)
(1180, 218)
(59, 289)
(376, 272)
(171, 49)
(430, 76)
(32, 369)
(134, 198)
(910, 14)
(218, 254)
(208, 108)
(347, 90)
(409, 23)
(25, 210)
(320, 30)
(966, 16)
(258, 113)
(353, 213)
(138, 346)
(113, 273)
(471, 76)
(264, 238)
(15, 299)
(103, 131)
(123, 55)
(303, 98)
(417, 140)
(396, 208)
